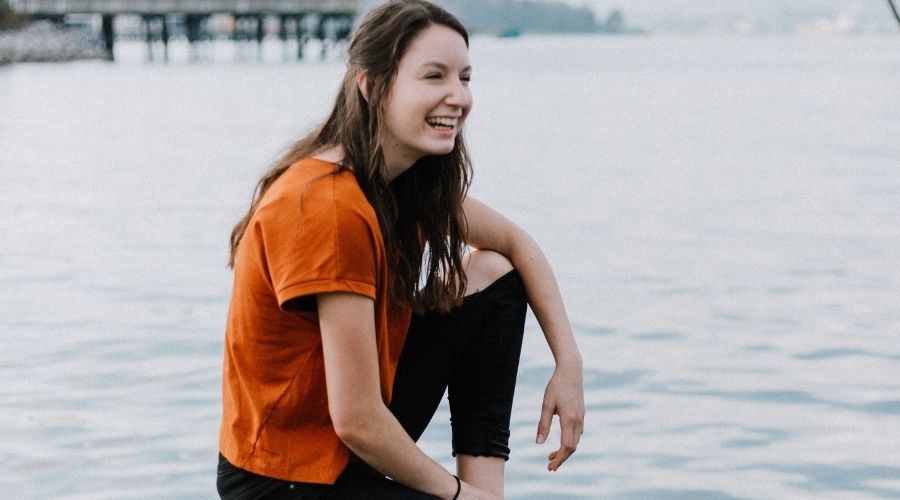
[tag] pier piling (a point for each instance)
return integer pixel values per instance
(301, 35)
(164, 35)
(109, 35)
(330, 23)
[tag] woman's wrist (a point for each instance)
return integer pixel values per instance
(568, 359)
(451, 488)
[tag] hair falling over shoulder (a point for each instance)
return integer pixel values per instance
(421, 212)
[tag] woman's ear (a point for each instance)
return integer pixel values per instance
(362, 82)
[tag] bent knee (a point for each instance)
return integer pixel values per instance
(484, 267)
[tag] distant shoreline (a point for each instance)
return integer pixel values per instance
(43, 42)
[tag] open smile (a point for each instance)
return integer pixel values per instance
(444, 123)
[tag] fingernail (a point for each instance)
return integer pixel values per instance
(540, 439)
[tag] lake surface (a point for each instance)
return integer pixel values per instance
(723, 215)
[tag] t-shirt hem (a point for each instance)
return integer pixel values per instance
(324, 286)
(298, 474)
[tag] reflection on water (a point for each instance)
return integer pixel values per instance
(721, 213)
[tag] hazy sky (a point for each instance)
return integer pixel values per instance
(662, 14)
(726, 15)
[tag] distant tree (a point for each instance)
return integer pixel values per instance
(8, 18)
(496, 16)
(615, 23)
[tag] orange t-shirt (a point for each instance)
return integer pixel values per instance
(313, 232)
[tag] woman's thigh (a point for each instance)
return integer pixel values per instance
(358, 480)
(234, 483)
(361, 481)
(430, 353)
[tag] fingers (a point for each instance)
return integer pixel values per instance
(558, 457)
(570, 434)
(568, 403)
(543, 430)
(579, 430)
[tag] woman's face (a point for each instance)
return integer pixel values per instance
(429, 100)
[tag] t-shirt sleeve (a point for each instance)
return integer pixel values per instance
(318, 240)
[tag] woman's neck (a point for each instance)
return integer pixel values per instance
(396, 161)
(333, 154)
(394, 165)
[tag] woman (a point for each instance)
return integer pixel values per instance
(361, 222)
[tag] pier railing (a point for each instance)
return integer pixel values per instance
(62, 7)
(332, 18)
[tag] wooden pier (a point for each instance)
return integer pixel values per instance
(326, 20)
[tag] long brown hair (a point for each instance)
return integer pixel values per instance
(420, 212)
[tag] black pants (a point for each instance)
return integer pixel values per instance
(473, 352)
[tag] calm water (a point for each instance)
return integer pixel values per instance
(722, 214)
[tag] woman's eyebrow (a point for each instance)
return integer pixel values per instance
(442, 66)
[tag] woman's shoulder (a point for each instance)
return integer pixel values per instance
(317, 185)
(306, 175)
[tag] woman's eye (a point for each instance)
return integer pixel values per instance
(466, 78)
(433, 76)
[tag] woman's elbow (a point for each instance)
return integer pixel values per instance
(354, 426)
(522, 245)
(522, 237)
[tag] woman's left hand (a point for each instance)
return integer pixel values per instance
(564, 397)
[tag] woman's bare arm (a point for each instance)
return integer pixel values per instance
(564, 396)
(360, 417)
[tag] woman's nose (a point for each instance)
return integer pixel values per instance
(459, 95)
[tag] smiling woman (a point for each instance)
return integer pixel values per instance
(429, 99)
(335, 357)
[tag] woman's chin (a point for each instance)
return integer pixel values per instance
(442, 149)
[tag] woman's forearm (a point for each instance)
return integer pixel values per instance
(378, 439)
(360, 418)
(564, 395)
(490, 230)
(545, 299)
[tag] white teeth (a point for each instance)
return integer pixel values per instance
(440, 121)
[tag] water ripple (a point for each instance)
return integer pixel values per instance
(598, 379)
(674, 494)
(592, 407)
(855, 477)
(662, 335)
(788, 397)
(768, 436)
(844, 352)
(583, 329)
